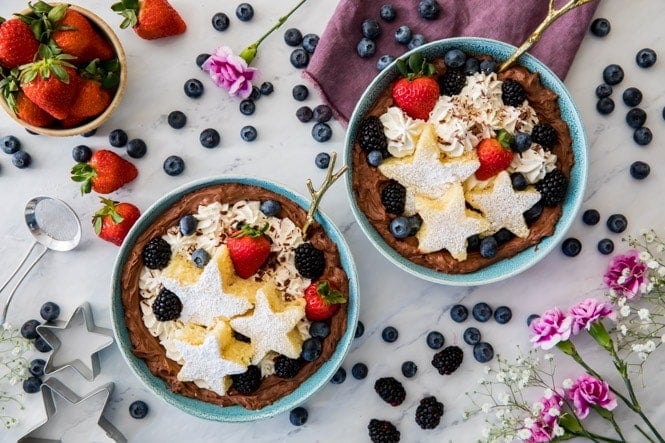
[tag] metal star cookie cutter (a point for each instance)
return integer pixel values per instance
(69, 417)
(82, 340)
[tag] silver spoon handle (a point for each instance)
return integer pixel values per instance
(20, 280)
(25, 257)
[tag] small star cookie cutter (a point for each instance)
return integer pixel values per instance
(69, 417)
(75, 343)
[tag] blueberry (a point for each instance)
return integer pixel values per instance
(645, 58)
(200, 258)
(298, 416)
(639, 170)
(359, 371)
(304, 114)
(518, 181)
(603, 90)
(21, 159)
(300, 92)
(270, 208)
(247, 107)
(321, 132)
(387, 13)
(220, 21)
(389, 334)
(339, 376)
(36, 367)
(481, 312)
(310, 42)
(187, 225)
(266, 88)
(532, 214)
(522, 142)
(81, 153)
(32, 384)
(503, 314)
(209, 138)
(605, 246)
(299, 58)
(613, 74)
(429, 9)
(605, 105)
(255, 94)
(600, 27)
(503, 235)
(173, 165)
(636, 118)
(193, 88)
(591, 217)
(248, 133)
(435, 340)
(414, 222)
(488, 247)
(617, 223)
(311, 349)
(454, 59)
(322, 160)
(29, 329)
(483, 352)
(292, 37)
(399, 227)
(531, 318)
(176, 119)
(473, 243)
(322, 113)
(201, 58)
(403, 35)
(366, 47)
(471, 336)
(90, 133)
(642, 136)
(138, 409)
(409, 369)
(374, 158)
(319, 329)
(10, 144)
(49, 311)
(360, 330)
(136, 148)
(632, 96)
(244, 12)
(384, 61)
(488, 66)
(41, 345)
(472, 66)
(459, 313)
(370, 29)
(416, 41)
(571, 247)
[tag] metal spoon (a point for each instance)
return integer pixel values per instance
(55, 226)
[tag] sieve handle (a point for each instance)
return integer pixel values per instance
(21, 278)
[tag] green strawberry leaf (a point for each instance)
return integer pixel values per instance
(329, 294)
(60, 73)
(58, 12)
(97, 224)
(505, 138)
(402, 67)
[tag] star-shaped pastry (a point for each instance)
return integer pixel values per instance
(427, 172)
(208, 355)
(272, 324)
(447, 223)
(503, 206)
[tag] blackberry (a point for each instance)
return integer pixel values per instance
(371, 136)
(545, 135)
(553, 187)
(286, 367)
(167, 306)
(156, 253)
(512, 93)
(310, 262)
(452, 82)
(248, 381)
(390, 390)
(393, 197)
(429, 412)
(382, 431)
(448, 360)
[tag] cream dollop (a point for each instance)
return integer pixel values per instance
(401, 131)
(534, 163)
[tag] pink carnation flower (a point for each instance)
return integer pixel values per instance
(550, 329)
(625, 274)
(230, 72)
(588, 391)
(540, 433)
(587, 312)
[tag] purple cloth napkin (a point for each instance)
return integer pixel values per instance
(341, 75)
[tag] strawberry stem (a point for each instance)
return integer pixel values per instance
(330, 295)
(107, 210)
(245, 230)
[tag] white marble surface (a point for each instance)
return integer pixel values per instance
(285, 152)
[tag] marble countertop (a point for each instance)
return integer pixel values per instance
(284, 152)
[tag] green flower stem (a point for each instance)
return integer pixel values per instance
(641, 431)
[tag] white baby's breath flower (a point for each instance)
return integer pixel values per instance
(649, 237)
(549, 356)
(486, 407)
(644, 256)
(558, 430)
(624, 311)
(661, 271)
(503, 398)
(623, 329)
(487, 369)
(662, 338)
(650, 346)
(500, 377)
(548, 393)
(466, 415)
(524, 434)
(643, 356)
(621, 301)
(537, 408)
(637, 347)
(567, 384)
(554, 412)
(643, 314)
(660, 248)
(528, 422)
(653, 264)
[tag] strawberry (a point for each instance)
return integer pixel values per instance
(18, 45)
(150, 19)
(114, 220)
(105, 172)
(494, 155)
(73, 34)
(417, 91)
(31, 113)
(249, 249)
(322, 300)
(91, 101)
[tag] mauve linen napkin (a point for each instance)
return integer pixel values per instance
(341, 75)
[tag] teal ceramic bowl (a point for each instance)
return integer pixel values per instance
(569, 113)
(211, 411)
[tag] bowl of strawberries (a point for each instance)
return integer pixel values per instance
(63, 69)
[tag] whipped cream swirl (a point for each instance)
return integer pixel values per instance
(534, 163)
(401, 131)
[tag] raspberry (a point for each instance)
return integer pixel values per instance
(370, 135)
(390, 390)
(309, 261)
(512, 93)
(382, 431)
(429, 412)
(553, 187)
(286, 367)
(156, 253)
(167, 306)
(448, 360)
(248, 381)
(393, 197)
(545, 135)
(452, 82)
